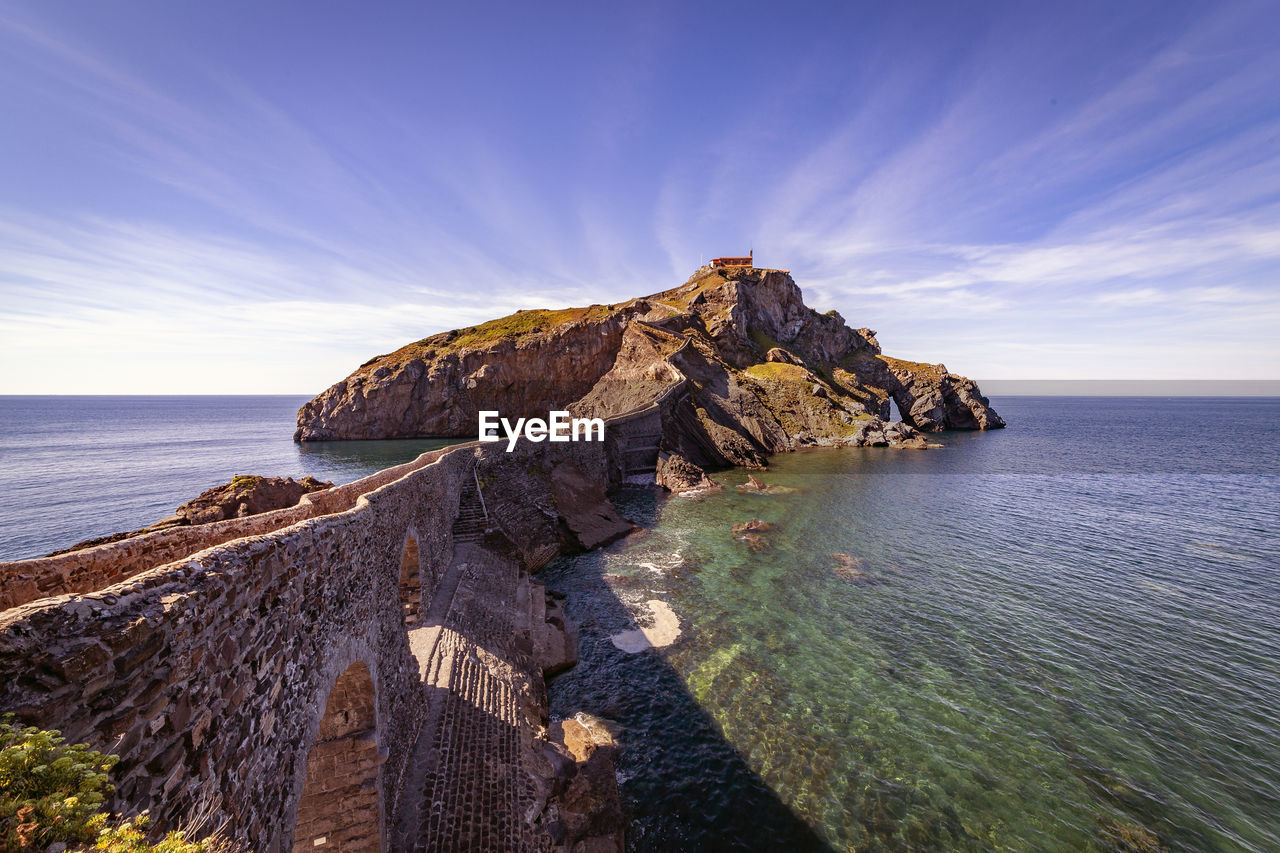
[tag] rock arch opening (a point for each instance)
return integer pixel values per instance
(339, 809)
(411, 582)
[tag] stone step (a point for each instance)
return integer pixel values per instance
(470, 524)
(475, 793)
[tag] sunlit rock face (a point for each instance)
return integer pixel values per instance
(741, 368)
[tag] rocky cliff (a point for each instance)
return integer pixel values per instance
(757, 372)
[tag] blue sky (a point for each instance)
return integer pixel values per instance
(254, 198)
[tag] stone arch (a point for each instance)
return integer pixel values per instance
(411, 581)
(340, 809)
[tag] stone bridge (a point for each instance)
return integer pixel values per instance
(363, 671)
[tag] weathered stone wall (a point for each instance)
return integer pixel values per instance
(209, 676)
(88, 569)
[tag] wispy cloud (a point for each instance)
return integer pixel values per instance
(1033, 196)
(1158, 190)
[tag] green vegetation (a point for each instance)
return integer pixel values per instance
(778, 371)
(49, 791)
(512, 327)
(52, 792)
(521, 323)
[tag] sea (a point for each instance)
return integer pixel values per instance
(75, 468)
(1061, 636)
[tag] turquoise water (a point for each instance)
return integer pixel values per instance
(1065, 636)
(73, 468)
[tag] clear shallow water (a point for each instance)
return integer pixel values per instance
(73, 468)
(1071, 629)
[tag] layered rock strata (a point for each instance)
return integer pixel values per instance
(756, 370)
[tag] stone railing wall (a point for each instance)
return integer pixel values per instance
(209, 676)
(93, 568)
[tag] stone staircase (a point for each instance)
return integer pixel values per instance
(471, 523)
(639, 454)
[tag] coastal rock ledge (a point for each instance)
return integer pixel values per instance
(742, 368)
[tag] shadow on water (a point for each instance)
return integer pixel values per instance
(670, 745)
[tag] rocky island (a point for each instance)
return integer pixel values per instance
(747, 370)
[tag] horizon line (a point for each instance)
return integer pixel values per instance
(990, 387)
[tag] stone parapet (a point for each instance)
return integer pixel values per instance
(93, 568)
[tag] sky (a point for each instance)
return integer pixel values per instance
(240, 197)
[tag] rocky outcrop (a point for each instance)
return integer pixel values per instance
(245, 495)
(931, 398)
(523, 365)
(677, 474)
(587, 810)
(757, 372)
(584, 508)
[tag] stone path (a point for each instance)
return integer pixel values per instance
(467, 788)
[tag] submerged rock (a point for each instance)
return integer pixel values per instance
(848, 561)
(753, 526)
(660, 628)
(751, 532)
(615, 580)
(850, 568)
(1123, 837)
